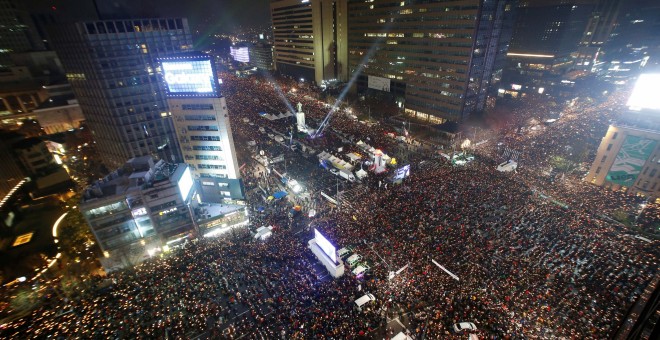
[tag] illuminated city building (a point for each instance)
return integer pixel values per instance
(138, 208)
(599, 29)
(111, 65)
(628, 157)
(261, 56)
(17, 32)
(545, 36)
(10, 170)
(435, 58)
(59, 114)
(201, 121)
(44, 168)
(310, 39)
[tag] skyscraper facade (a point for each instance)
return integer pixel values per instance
(628, 158)
(17, 32)
(546, 34)
(202, 124)
(310, 38)
(112, 68)
(599, 29)
(437, 59)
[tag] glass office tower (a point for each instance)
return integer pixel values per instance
(436, 58)
(112, 68)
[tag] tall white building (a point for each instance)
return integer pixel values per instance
(201, 121)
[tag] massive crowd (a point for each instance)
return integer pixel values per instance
(534, 259)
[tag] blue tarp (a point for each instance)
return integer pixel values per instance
(279, 194)
(325, 164)
(262, 113)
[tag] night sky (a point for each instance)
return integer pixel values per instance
(211, 15)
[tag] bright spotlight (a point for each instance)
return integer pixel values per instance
(645, 93)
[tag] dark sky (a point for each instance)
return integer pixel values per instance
(215, 15)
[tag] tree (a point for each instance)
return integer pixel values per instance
(623, 217)
(74, 233)
(24, 300)
(562, 164)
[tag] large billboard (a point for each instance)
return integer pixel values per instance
(326, 246)
(629, 161)
(645, 93)
(241, 54)
(189, 76)
(379, 83)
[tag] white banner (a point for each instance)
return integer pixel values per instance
(379, 83)
(445, 269)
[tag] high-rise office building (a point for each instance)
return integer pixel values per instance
(17, 32)
(202, 124)
(636, 35)
(10, 170)
(310, 38)
(437, 58)
(112, 68)
(599, 30)
(138, 208)
(629, 155)
(545, 37)
(261, 56)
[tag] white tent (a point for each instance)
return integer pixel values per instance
(361, 174)
(353, 156)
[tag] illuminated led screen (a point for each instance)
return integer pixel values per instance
(645, 94)
(185, 184)
(189, 78)
(240, 54)
(325, 245)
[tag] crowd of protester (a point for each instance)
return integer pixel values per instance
(534, 259)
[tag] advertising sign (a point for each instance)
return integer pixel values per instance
(629, 161)
(186, 77)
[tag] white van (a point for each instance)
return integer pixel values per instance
(343, 252)
(507, 166)
(353, 259)
(360, 270)
(364, 300)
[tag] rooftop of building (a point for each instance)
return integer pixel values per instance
(27, 143)
(58, 101)
(646, 120)
(138, 173)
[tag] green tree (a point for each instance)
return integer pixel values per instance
(74, 233)
(623, 217)
(562, 164)
(24, 300)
